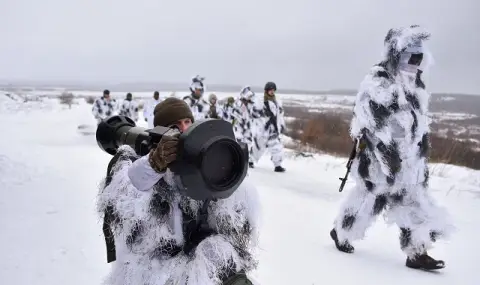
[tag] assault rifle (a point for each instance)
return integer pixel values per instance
(353, 153)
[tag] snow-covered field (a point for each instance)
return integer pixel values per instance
(51, 235)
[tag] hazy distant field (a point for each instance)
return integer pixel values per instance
(452, 115)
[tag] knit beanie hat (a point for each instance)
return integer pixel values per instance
(169, 111)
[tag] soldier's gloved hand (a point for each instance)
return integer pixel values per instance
(164, 153)
(146, 120)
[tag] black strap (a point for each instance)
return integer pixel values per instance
(109, 216)
(272, 118)
(108, 234)
(191, 101)
(196, 229)
(194, 102)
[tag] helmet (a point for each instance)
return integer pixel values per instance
(270, 86)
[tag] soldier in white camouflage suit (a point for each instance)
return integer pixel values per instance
(195, 100)
(246, 113)
(150, 226)
(214, 109)
(148, 108)
(129, 108)
(104, 107)
(273, 125)
(391, 126)
(227, 110)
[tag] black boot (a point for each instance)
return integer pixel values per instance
(425, 262)
(279, 169)
(250, 164)
(345, 247)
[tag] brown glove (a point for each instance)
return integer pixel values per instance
(163, 154)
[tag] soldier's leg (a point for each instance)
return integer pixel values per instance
(248, 139)
(421, 223)
(275, 148)
(258, 147)
(150, 122)
(237, 131)
(358, 211)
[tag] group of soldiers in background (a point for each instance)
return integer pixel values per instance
(107, 106)
(258, 122)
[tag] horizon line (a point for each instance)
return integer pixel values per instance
(66, 84)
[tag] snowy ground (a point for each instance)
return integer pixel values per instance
(51, 234)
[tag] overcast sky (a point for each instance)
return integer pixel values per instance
(307, 44)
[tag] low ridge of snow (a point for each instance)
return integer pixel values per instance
(24, 103)
(446, 98)
(441, 116)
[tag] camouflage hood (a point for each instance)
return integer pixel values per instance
(403, 40)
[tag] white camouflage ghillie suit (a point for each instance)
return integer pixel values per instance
(390, 170)
(195, 100)
(215, 111)
(148, 221)
(129, 108)
(104, 107)
(148, 108)
(246, 113)
(273, 125)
